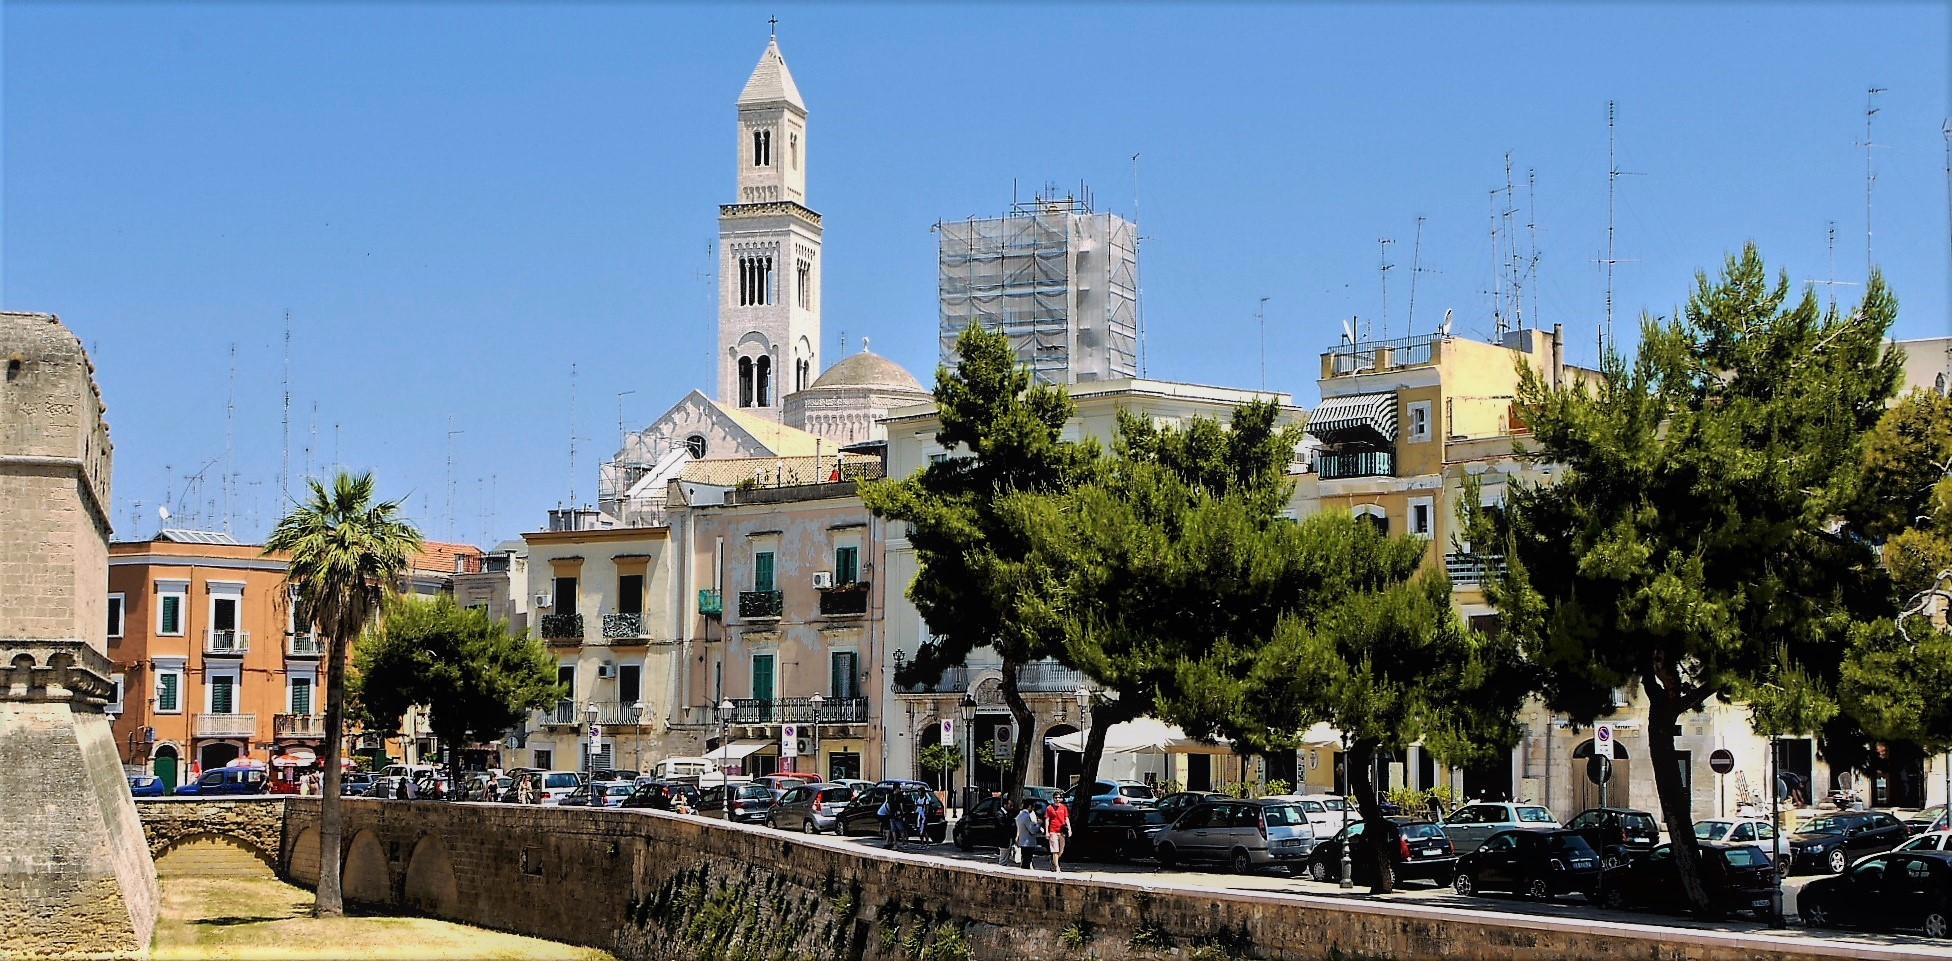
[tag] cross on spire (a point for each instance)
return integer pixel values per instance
(773, 23)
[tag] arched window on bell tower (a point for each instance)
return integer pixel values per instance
(765, 381)
(762, 148)
(745, 382)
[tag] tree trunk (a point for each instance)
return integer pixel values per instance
(1677, 809)
(1103, 716)
(1362, 781)
(1020, 713)
(328, 902)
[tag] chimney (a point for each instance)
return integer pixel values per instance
(1558, 354)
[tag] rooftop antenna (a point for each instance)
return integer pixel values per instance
(1416, 267)
(336, 461)
(572, 435)
(230, 436)
(1138, 283)
(315, 439)
(1497, 273)
(1515, 287)
(1833, 283)
(1260, 317)
(284, 457)
(1532, 238)
(451, 433)
(1383, 267)
(1613, 173)
(623, 436)
(1870, 175)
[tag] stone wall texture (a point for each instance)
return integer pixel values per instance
(651, 886)
(256, 823)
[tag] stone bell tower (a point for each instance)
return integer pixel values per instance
(75, 873)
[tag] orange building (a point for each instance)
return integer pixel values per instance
(209, 665)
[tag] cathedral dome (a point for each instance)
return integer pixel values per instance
(868, 370)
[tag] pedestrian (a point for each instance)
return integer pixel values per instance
(1029, 827)
(400, 789)
(1057, 829)
(921, 820)
(1006, 818)
(898, 811)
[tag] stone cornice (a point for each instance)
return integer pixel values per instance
(54, 671)
(769, 207)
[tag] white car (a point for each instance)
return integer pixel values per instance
(1474, 823)
(1929, 841)
(1324, 811)
(1754, 831)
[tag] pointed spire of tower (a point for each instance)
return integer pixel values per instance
(771, 82)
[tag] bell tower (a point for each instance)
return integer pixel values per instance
(769, 250)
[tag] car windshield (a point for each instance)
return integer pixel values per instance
(1745, 857)
(753, 791)
(617, 790)
(1823, 825)
(1283, 815)
(1418, 832)
(1638, 823)
(559, 780)
(1712, 830)
(1313, 807)
(1571, 844)
(1531, 815)
(1135, 790)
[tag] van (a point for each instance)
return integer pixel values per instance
(672, 768)
(416, 771)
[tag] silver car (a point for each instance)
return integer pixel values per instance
(1473, 824)
(1241, 834)
(809, 808)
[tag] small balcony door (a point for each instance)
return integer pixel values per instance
(845, 679)
(223, 694)
(762, 677)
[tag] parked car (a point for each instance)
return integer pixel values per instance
(1618, 834)
(1830, 842)
(598, 794)
(663, 795)
(1418, 849)
(809, 808)
(1240, 834)
(1899, 889)
(354, 783)
(1930, 819)
(1540, 865)
(862, 814)
(856, 783)
(227, 780)
(1173, 805)
(1738, 878)
(385, 787)
(1114, 833)
(145, 785)
(1113, 793)
(779, 783)
(1327, 813)
(1474, 823)
(1040, 792)
(989, 823)
(1928, 841)
(613, 774)
(485, 787)
(747, 803)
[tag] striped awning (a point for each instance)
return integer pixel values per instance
(1357, 416)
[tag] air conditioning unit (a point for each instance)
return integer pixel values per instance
(823, 580)
(606, 670)
(806, 747)
(545, 600)
(148, 734)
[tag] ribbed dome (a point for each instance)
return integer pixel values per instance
(868, 370)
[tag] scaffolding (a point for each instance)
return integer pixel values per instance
(1059, 279)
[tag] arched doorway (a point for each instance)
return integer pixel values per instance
(218, 754)
(164, 764)
(1586, 794)
(1061, 766)
(929, 736)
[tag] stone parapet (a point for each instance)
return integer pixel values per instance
(61, 671)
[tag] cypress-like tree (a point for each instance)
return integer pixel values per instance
(1690, 536)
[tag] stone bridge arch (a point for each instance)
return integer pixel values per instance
(255, 824)
(431, 887)
(363, 874)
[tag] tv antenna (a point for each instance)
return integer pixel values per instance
(451, 434)
(1383, 268)
(572, 436)
(230, 438)
(1416, 267)
(623, 435)
(284, 456)
(1138, 284)
(1260, 318)
(1613, 174)
(1833, 283)
(1870, 173)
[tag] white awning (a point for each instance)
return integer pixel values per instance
(740, 750)
(1321, 735)
(1143, 736)
(1355, 416)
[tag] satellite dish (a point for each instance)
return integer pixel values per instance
(1349, 330)
(162, 512)
(1443, 329)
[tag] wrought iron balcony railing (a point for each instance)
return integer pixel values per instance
(226, 725)
(227, 643)
(1375, 463)
(617, 713)
(1038, 677)
(304, 645)
(562, 627)
(563, 713)
(757, 604)
(798, 710)
(298, 725)
(848, 599)
(623, 625)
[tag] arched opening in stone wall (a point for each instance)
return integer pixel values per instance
(1060, 767)
(303, 861)
(218, 754)
(205, 854)
(431, 887)
(363, 877)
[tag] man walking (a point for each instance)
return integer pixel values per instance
(1029, 827)
(1057, 828)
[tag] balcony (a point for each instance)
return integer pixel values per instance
(711, 603)
(563, 713)
(298, 725)
(1375, 463)
(617, 714)
(1040, 677)
(562, 627)
(304, 645)
(226, 643)
(761, 604)
(1472, 570)
(623, 626)
(848, 599)
(225, 725)
(798, 710)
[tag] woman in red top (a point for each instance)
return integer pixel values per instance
(1057, 827)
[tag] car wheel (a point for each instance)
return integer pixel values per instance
(962, 839)
(1614, 898)
(1538, 890)
(1464, 884)
(1318, 871)
(808, 827)
(1815, 914)
(1168, 857)
(1613, 858)
(1837, 861)
(1241, 862)
(1935, 923)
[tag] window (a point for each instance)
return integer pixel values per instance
(847, 565)
(1421, 509)
(745, 382)
(630, 684)
(793, 149)
(169, 691)
(223, 693)
(844, 678)
(764, 379)
(762, 148)
(630, 594)
(169, 614)
(755, 281)
(301, 695)
(115, 615)
(566, 678)
(696, 444)
(1375, 515)
(1419, 421)
(565, 595)
(804, 285)
(762, 677)
(544, 759)
(762, 571)
(115, 703)
(223, 615)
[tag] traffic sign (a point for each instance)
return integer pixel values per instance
(1603, 740)
(1599, 769)
(789, 740)
(1722, 761)
(949, 731)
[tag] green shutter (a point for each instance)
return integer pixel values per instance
(847, 565)
(222, 699)
(172, 615)
(166, 691)
(762, 676)
(301, 696)
(762, 571)
(842, 680)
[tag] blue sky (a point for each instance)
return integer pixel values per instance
(457, 201)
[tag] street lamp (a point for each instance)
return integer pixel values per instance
(818, 700)
(1348, 866)
(725, 709)
(637, 744)
(1084, 735)
(968, 710)
(596, 734)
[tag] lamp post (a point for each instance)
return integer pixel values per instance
(637, 745)
(725, 709)
(968, 709)
(1776, 919)
(596, 735)
(818, 701)
(1348, 866)
(1084, 735)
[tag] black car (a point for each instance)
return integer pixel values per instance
(354, 783)
(1175, 804)
(1620, 835)
(1902, 889)
(991, 824)
(749, 803)
(1830, 842)
(1738, 878)
(1537, 864)
(662, 795)
(863, 814)
(1115, 834)
(1418, 850)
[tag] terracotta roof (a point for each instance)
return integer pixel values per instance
(782, 440)
(444, 557)
(780, 471)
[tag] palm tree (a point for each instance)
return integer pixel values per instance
(347, 554)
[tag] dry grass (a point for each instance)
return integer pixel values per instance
(252, 918)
